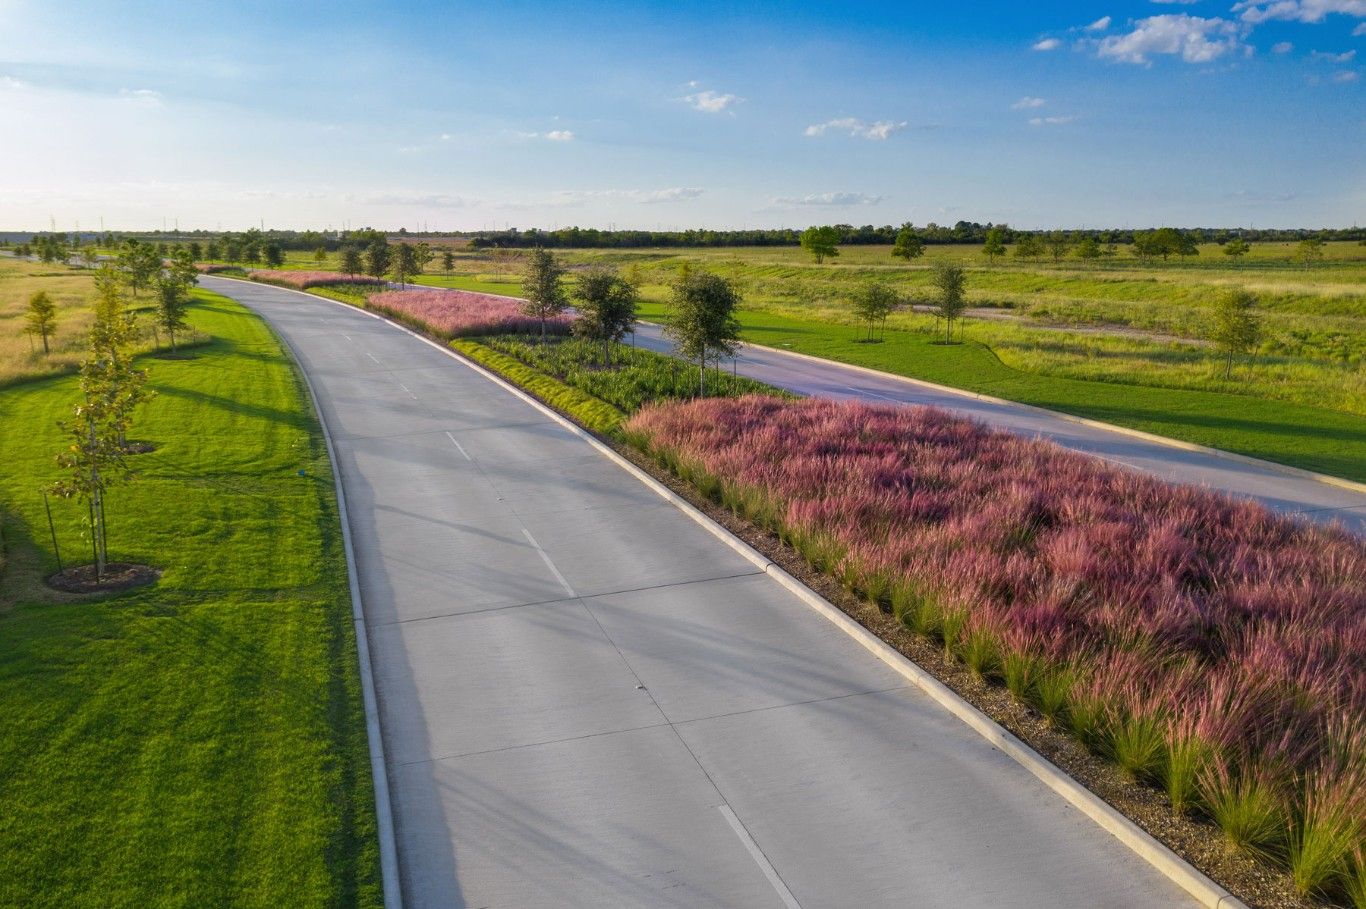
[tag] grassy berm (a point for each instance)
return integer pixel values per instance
(198, 742)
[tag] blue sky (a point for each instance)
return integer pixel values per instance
(682, 114)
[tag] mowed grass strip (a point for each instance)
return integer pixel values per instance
(1313, 438)
(199, 742)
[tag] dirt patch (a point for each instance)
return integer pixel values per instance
(117, 576)
(1195, 839)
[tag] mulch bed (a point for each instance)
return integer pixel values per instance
(117, 576)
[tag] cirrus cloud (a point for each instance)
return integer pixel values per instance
(833, 200)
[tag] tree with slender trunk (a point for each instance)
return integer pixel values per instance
(447, 262)
(995, 245)
(606, 303)
(908, 244)
(873, 301)
(377, 257)
(351, 262)
(1057, 243)
(404, 264)
(320, 255)
(274, 255)
(950, 281)
(42, 317)
(173, 301)
(1236, 248)
(702, 319)
(542, 283)
(1236, 329)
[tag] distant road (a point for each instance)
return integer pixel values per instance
(1280, 489)
(589, 700)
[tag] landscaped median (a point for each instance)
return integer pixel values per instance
(1204, 645)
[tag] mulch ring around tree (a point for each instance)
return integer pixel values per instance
(138, 446)
(116, 576)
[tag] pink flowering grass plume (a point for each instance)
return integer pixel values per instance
(462, 313)
(1204, 643)
(302, 280)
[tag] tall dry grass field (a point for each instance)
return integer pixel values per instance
(21, 355)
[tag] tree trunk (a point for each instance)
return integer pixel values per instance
(45, 350)
(1228, 366)
(702, 376)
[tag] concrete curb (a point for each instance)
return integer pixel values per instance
(1167, 862)
(1324, 478)
(384, 817)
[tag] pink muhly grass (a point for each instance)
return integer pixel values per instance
(462, 313)
(1202, 641)
(303, 280)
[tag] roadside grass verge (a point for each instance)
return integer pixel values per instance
(1203, 644)
(593, 413)
(200, 741)
(1313, 438)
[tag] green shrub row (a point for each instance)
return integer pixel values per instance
(593, 413)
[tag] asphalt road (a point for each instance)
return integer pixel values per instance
(1281, 490)
(588, 700)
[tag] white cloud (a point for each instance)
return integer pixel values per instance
(1346, 76)
(560, 135)
(445, 137)
(1359, 31)
(1344, 57)
(1047, 44)
(711, 102)
(423, 200)
(1255, 11)
(141, 96)
(1027, 102)
(1283, 47)
(574, 197)
(1195, 39)
(1050, 121)
(877, 130)
(9, 83)
(1099, 25)
(830, 199)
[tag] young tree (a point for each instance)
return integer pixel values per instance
(950, 281)
(89, 258)
(404, 265)
(606, 303)
(1028, 246)
(377, 257)
(422, 257)
(995, 245)
(1088, 249)
(447, 262)
(274, 255)
(196, 251)
(181, 267)
(93, 459)
(542, 284)
(320, 255)
(821, 242)
(42, 317)
(1146, 245)
(351, 262)
(1236, 329)
(1309, 250)
(140, 264)
(1236, 248)
(702, 319)
(1057, 243)
(173, 300)
(908, 244)
(873, 301)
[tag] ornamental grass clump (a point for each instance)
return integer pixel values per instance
(303, 280)
(1203, 643)
(454, 314)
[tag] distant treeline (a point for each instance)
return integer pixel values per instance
(593, 238)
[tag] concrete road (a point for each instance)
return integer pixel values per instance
(1281, 490)
(589, 700)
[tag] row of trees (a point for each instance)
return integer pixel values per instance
(702, 320)
(380, 258)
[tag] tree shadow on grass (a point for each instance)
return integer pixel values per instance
(289, 418)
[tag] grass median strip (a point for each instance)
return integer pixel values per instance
(200, 741)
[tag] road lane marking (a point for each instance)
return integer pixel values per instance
(760, 859)
(405, 388)
(459, 447)
(549, 564)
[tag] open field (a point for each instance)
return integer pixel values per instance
(200, 741)
(21, 355)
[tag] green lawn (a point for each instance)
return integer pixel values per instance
(199, 742)
(470, 282)
(1314, 438)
